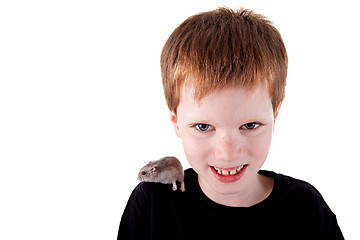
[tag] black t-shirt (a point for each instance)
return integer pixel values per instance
(293, 210)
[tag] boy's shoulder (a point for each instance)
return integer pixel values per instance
(290, 189)
(146, 192)
(297, 200)
(294, 185)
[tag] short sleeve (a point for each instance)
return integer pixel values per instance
(326, 221)
(305, 214)
(134, 221)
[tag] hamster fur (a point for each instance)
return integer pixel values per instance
(167, 170)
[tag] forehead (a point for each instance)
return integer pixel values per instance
(231, 102)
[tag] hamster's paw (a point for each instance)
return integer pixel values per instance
(182, 188)
(174, 187)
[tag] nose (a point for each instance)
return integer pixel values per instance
(227, 149)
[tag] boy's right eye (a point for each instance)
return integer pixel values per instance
(203, 127)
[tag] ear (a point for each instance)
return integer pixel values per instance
(276, 115)
(173, 119)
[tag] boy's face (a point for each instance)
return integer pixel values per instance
(226, 136)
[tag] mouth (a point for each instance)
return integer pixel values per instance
(228, 175)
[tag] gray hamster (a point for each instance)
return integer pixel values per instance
(167, 170)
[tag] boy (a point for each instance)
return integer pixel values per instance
(224, 75)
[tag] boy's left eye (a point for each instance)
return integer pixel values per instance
(250, 126)
(203, 127)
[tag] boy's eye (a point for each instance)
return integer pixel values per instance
(203, 127)
(250, 126)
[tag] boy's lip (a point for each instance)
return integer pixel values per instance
(228, 175)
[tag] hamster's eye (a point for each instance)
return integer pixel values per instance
(143, 173)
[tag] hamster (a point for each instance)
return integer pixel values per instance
(167, 170)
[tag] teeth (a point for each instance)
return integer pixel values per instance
(239, 168)
(231, 172)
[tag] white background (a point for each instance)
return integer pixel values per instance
(82, 108)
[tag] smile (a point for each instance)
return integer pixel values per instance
(227, 172)
(228, 175)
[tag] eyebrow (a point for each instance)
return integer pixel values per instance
(262, 117)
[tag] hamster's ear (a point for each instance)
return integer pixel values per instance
(173, 119)
(153, 169)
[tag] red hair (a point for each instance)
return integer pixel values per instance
(223, 47)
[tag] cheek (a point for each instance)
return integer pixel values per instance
(196, 150)
(260, 145)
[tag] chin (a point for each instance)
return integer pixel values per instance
(220, 186)
(226, 189)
